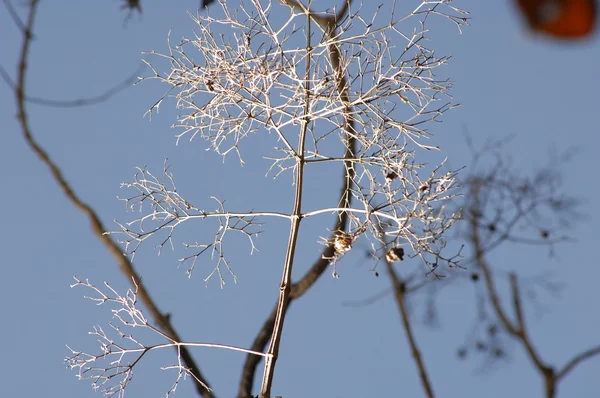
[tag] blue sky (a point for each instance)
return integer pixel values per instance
(508, 82)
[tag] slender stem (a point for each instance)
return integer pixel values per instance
(297, 290)
(286, 279)
(327, 24)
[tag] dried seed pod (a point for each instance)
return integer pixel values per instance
(395, 254)
(342, 243)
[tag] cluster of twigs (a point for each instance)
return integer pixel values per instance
(353, 84)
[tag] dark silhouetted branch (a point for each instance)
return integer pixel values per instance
(88, 101)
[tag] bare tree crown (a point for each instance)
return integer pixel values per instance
(379, 92)
(330, 88)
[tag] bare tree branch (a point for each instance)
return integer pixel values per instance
(286, 279)
(97, 227)
(87, 101)
(576, 360)
(400, 292)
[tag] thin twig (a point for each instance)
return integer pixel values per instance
(103, 97)
(286, 279)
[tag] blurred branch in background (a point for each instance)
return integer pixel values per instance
(85, 101)
(503, 207)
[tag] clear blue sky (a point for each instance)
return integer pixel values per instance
(508, 81)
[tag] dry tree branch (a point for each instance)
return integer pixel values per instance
(400, 293)
(112, 369)
(170, 210)
(97, 227)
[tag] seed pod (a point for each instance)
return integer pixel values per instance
(395, 254)
(342, 243)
